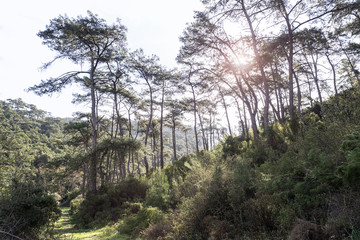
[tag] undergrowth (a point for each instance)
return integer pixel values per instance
(300, 180)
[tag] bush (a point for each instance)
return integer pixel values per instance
(343, 214)
(69, 197)
(129, 208)
(97, 210)
(234, 146)
(350, 170)
(75, 205)
(93, 210)
(134, 224)
(27, 211)
(158, 193)
(157, 231)
(131, 189)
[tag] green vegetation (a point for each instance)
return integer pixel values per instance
(29, 139)
(161, 164)
(298, 181)
(301, 185)
(66, 230)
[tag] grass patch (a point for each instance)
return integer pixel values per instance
(65, 230)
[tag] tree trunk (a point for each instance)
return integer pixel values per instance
(260, 65)
(154, 155)
(334, 74)
(226, 111)
(299, 98)
(352, 67)
(119, 120)
(314, 74)
(93, 160)
(195, 120)
(205, 145)
(211, 131)
(148, 126)
(174, 136)
(242, 132)
(161, 126)
(290, 56)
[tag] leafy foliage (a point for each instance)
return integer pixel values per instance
(28, 211)
(108, 203)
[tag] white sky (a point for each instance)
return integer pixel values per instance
(154, 25)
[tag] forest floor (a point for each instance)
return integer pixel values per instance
(65, 230)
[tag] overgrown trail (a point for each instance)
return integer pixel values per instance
(66, 231)
(63, 226)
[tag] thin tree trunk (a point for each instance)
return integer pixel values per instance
(138, 165)
(260, 65)
(314, 74)
(299, 98)
(148, 127)
(161, 126)
(277, 102)
(174, 137)
(334, 74)
(129, 159)
(290, 56)
(93, 159)
(86, 179)
(246, 125)
(154, 147)
(195, 119)
(226, 111)
(210, 131)
(205, 145)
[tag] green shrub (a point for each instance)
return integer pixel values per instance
(129, 208)
(75, 205)
(350, 170)
(178, 170)
(207, 159)
(69, 197)
(92, 210)
(56, 196)
(97, 210)
(131, 189)
(160, 230)
(27, 211)
(233, 146)
(158, 194)
(134, 224)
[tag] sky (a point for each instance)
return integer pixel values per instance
(153, 25)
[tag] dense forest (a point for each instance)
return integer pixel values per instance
(254, 135)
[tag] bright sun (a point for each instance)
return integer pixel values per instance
(242, 53)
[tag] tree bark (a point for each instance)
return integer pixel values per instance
(195, 119)
(334, 74)
(148, 126)
(174, 136)
(260, 65)
(161, 126)
(226, 111)
(93, 160)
